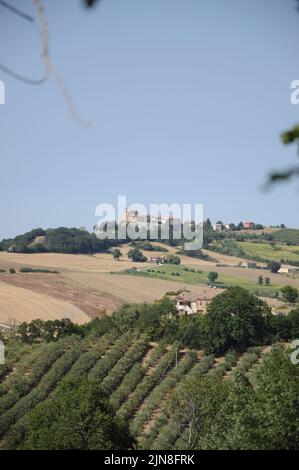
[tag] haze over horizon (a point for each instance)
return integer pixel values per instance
(187, 101)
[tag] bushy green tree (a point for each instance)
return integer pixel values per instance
(293, 319)
(275, 405)
(50, 330)
(235, 415)
(274, 267)
(212, 276)
(136, 256)
(195, 406)
(156, 318)
(173, 259)
(289, 294)
(77, 416)
(116, 253)
(235, 319)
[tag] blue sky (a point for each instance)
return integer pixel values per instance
(186, 98)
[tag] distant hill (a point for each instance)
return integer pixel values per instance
(58, 240)
(287, 235)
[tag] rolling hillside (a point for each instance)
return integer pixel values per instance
(265, 251)
(286, 235)
(139, 376)
(18, 305)
(91, 285)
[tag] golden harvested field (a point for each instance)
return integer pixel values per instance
(86, 282)
(100, 263)
(135, 289)
(96, 263)
(18, 304)
(92, 302)
(86, 287)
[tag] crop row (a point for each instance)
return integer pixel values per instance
(158, 394)
(164, 431)
(102, 367)
(134, 376)
(147, 384)
(167, 432)
(248, 360)
(73, 365)
(89, 358)
(40, 393)
(21, 383)
(229, 362)
(14, 353)
(116, 374)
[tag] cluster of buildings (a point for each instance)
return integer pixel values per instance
(219, 226)
(134, 216)
(189, 305)
(157, 259)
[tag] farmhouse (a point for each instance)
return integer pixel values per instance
(288, 270)
(248, 264)
(157, 259)
(135, 217)
(218, 227)
(248, 225)
(132, 216)
(189, 305)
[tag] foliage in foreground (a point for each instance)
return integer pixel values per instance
(232, 414)
(78, 416)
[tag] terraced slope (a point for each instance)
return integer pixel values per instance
(139, 376)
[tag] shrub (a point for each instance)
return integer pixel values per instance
(173, 259)
(289, 294)
(136, 256)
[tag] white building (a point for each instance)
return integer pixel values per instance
(288, 270)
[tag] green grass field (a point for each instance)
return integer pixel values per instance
(268, 252)
(194, 276)
(286, 235)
